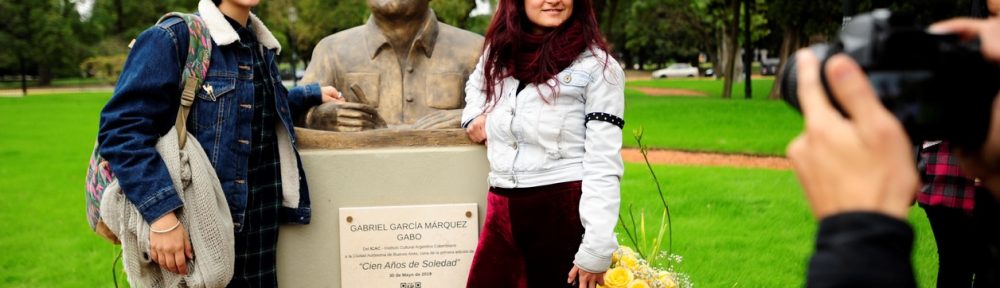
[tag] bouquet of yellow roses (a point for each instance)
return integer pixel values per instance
(629, 270)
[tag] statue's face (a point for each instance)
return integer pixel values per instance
(398, 7)
(548, 14)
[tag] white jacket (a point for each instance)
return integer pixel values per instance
(533, 143)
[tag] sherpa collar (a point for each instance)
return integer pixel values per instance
(223, 33)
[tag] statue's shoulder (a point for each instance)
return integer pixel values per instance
(354, 34)
(458, 35)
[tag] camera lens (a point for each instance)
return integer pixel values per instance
(789, 77)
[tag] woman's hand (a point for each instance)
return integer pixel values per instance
(331, 94)
(587, 279)
(477, 129)
(170, 249)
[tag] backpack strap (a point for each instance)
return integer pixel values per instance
(195, 67)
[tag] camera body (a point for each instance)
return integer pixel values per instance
(938, 86)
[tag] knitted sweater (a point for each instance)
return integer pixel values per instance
(205, 215)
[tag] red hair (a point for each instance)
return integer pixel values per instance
(512, 50)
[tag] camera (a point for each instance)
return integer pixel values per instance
(938, 86)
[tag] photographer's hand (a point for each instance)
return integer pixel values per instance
(986, 30)
(859, 164)
(982, 163)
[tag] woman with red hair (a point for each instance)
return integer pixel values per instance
(548, 100)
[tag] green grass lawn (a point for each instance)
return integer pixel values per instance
(758, 126)
(45, 143)
(738, 227)
(734, 227)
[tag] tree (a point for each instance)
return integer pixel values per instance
(453, 12)
(730, 41)
(797, 22)
(657, 31)
(37, 36)
(608, 12)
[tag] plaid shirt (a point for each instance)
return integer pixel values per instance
(945, 184)
(256, 243)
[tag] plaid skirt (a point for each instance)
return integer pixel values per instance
(256, 243)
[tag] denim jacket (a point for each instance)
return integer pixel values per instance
(144, 107)
(575, 135)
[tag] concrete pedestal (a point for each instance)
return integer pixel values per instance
(309, 255)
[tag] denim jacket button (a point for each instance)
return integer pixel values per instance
(241, 181)
(244, 142)
(246, 106)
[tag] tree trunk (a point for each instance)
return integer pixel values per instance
(24, 79)
(626, 54)
(44, 75)
(719, 54)
(599, 12)
(789, 43)
(641, 59)
(730, 31)
(119, 22)
(609, 30)
(747, 53)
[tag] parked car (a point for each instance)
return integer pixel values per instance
(676, 70)
(709, 72)
(769, 66)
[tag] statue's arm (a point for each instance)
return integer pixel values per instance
(320, 72)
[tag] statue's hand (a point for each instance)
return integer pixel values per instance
(344, 117)
(441, 119)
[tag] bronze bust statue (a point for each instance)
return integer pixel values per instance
(402, 69)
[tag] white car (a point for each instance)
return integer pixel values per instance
(676, 70)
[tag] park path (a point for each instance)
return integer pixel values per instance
(707, 159)
(55, 90)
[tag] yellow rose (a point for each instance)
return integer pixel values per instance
(638, 283)
(629, 261)
(667, 280)
(622, 250)
(617, 277)
(626, 251)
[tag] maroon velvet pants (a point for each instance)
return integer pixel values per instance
(530, 237)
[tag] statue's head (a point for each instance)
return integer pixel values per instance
(398, 8)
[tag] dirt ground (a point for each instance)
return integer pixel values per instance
(668, 91)
(50, 90)
(707, 159)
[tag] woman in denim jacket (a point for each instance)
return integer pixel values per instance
(548, 100)
(242, 117)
